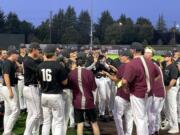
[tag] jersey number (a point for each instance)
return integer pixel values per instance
(47, 75)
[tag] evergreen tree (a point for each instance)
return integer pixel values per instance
(104, 22)
(84, 26)
(2, 21)
(12, 23)
(161, 24)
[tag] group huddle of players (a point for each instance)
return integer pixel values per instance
(60, 86)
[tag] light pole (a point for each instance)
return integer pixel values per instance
(50, 27)
(176, 26)
(91, 32)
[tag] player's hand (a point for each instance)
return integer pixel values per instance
(104, 73)
(101, 73)
(95, 60)
(113, 68)
(11, 94)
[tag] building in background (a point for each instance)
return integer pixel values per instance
(11, 39)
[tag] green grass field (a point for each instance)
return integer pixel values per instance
(20, 126)
(156, 57)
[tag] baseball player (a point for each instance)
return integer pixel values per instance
(22, 102)
(82, 83)
(67, 63)
(170, 77)
(122, 105)
(8, 92)
(103, 85)
(139, 82)
(52, 75)
(176, 58)
(156, 97)
(31, 91)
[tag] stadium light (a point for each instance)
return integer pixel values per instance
(120, 24)
(91, 33)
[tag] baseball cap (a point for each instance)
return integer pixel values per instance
(73, 49)
(22, 46)
(81, 55)
(168, 54)
(137, 46)
(66, 53)
(12, 51)
(34, 45)
(95, 48)
(50, 49)
(126, 53)
(84, 48)
(60, 46)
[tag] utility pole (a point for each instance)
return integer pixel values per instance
(174, 33)
(91, 32)
(50, 27)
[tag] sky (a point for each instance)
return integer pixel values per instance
(36, 11)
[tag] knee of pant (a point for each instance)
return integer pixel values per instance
(16, 111)
(102, 99)
(117, 115)
(37, 115)
(58, 123)
(46, 121)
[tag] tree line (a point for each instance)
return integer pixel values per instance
(66, 27)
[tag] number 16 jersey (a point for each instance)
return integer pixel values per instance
(50, 75)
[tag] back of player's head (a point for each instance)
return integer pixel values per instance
(22, 46)
(127, 54)
(12, 50)
(50, 51)
(81, 59)
(34, 45)
(137, 47)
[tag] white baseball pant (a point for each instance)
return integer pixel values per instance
(113, 92)
(178, 98)
(165, 109)
(140, 117)
(53, 114)
(154, 108)
(68, 110)
(32, 97)
(104, 91)
(172, 107)
(22, 101)
(123, 107)
(12, 110)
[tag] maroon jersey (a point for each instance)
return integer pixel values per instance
(82, 83)
(135, 75)
(158, 89)
(121, 92)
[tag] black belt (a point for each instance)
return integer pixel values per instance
(35, 85)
